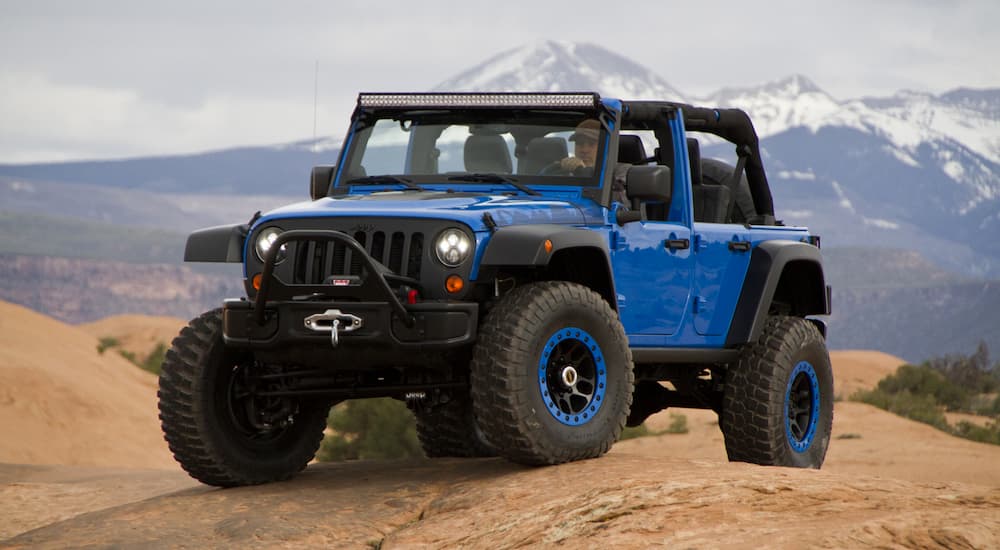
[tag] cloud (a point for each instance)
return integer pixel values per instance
(94, 122)
(113, 78)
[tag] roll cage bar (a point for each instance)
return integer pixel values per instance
(733, 125)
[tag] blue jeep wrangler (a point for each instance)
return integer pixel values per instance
(530, 272)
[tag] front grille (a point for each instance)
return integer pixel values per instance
(315, 261)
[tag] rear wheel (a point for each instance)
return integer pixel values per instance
(552, 374)
(778, 402)
(216, 420)
(450, 429)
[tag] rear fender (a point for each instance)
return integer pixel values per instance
(789, 272)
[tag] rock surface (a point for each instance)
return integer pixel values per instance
(82, 424)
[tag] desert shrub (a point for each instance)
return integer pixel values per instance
(105, 343)
(926, 381)
(678, 425)
(154, 360)
(972, 372)
(638, 431)
(952, 382)
(984, 434)
(370, 429)
(920, 407)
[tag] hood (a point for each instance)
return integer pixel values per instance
(467, 208)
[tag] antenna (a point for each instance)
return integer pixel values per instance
(315, 101)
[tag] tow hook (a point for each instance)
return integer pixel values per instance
(333, 321)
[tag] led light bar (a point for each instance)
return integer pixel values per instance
(437, 100)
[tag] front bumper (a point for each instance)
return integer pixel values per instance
(282, 315)
(436, 325)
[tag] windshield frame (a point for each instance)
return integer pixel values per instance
(529, 122)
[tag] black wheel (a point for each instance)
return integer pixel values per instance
(552, 374)
(721, 173)
(450, 429)
(778, 402)
(217, 426)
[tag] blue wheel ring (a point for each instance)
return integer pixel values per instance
(572, 349)
(802, 406)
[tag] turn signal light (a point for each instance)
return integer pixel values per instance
(454, 284)
(548, 246)
(256, 281)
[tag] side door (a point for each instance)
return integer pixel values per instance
(653, 268)
(722, 256)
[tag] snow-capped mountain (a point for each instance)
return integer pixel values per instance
(895, 171)
(962, 128)
(557, 66)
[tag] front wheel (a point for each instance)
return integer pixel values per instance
(225, 423)
(552, 376)
(450, 429)
(778, 399)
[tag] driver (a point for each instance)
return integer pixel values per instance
(584, 140)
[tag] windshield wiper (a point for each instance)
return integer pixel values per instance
(494, 178)
(373, 180)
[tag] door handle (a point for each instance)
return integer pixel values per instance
(739, 246)
(677, 244)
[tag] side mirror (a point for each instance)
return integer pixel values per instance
(319, 183)
(642, 184)
(649, 183)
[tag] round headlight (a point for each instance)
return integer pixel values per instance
(453, 246)
(264, 241)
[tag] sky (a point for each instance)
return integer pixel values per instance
(122, 78)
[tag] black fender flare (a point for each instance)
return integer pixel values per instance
(524, 245)
(223, 243)
(768, 263)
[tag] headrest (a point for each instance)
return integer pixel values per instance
(487, 153)
(694, 157)
(541, 152)
(630, 149)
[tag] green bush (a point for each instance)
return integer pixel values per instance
(154, 360)
(971, 372)
(926, 381)
(678, 425)
(952, 382)
(922, 408)
(105, 343)
(370, 429)
(983, 434)
(635, 432)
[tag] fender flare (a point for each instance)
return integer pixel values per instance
(524, 245)
(223, 244)
(767, 264)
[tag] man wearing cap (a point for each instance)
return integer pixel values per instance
(584, 140)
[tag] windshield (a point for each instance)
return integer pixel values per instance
(518, 147)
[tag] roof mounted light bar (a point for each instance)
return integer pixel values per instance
(483, 100)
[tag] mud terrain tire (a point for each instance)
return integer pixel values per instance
(552, 376)
(206, 414)
(778, 399)
(450, 430)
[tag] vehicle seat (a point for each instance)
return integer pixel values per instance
(541, 152)
(487, 153)
(711, 202)
(630, 149)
